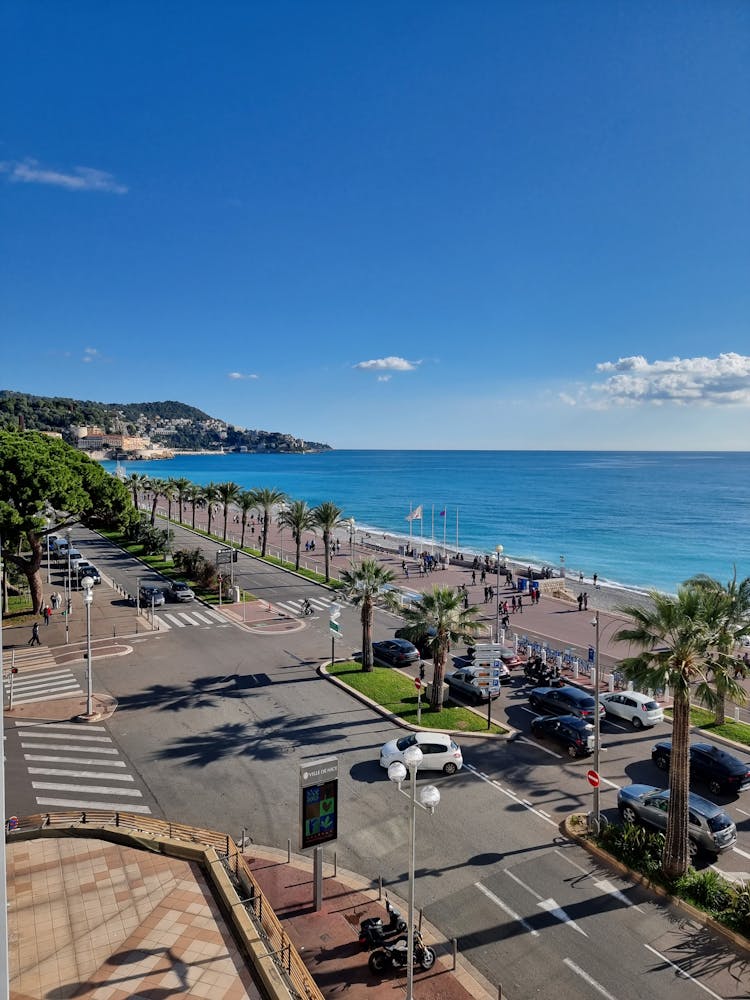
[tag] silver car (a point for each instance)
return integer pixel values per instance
(709, 827)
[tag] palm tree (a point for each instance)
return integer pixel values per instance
(442, 610)
(728, 611)
(183, 487)
(326, 516)
(193, 496)
(228, 494)
(136, 482)
(363, 585)
(245, 502)
(210, 495)
(673, 635)
(299, 517)
(156, 488)
(266, 499)
(169, 492)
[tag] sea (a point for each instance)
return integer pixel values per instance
(639, 520)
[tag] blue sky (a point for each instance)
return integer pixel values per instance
(385, 225)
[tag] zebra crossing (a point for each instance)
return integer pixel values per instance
(204, 618)
(295, 607)
(75, 768)
(47, 684)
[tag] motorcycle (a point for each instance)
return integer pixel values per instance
(373, 933)
(393, 956)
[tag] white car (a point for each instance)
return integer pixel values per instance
(440, 752)
(637, 708)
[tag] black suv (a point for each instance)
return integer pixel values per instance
(722, 772)
(572, 733)
(565, 701)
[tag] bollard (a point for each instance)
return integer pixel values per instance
(611, 682)
(736, 713)
(335, 864)
(575, 669)
(419, 923)
(380, 887)
(499, 991)
(454, 942)
(289, 851)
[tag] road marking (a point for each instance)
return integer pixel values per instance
(549, 905)
(682, 972)
(187, 618)
(202, 618)
(73, 760)
(589, 979)
(744, 813)
(68, 746)
(175, 620)
(104, 806)
(83, 739)
(216, 616)
(606, 886)
(539, 746)
(510, 794)
(52, 786)
(59, 772)
(742, 853)
(563, 855)
(58, 725)
(506, 909)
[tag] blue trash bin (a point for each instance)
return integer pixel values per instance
(522, 584)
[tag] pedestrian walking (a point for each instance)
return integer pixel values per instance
(520, 603)
(513, 604)
(483, 575)
(34, 640)
(473, 577)
(47, 612)
(580, 602)
(486, 595)
(55, 598)
(595, 578)
(585, 601)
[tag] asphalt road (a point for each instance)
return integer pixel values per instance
(214, 722)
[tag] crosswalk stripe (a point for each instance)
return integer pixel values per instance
(72, 760)
(186, 618)
(52, 786)
(81, 737)
(29, 676)
(216, 616)
(68, 747)
(53, 685)
(58, 725)
(176, 621)
(202, 618)
(46, 697)
(59, 772)
(287, 607)
(106, 806)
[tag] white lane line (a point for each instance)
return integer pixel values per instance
(175, 621)
(744, 813)
(59, 772)
(523, 885)
(106, 806)
(506, 909)
(67, 746)
(606, 886)
(510, 795)
(52, 786)
(51, 759)
(682, 972)
(742, 853)
(548, 905)
(70, 736)
(589, 979)
(533, 743)
(58, 725)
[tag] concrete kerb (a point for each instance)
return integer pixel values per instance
(469, 977)
(509, 734)
(567, 829)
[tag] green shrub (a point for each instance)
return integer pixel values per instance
(637, 847)
(707, 889)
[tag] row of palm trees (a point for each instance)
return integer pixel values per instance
(293, 514)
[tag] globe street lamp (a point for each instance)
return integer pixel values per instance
(429, 797)
(88, 596)
(350, 523)
(498, 553)
(597, 727)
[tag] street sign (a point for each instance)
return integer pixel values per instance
(223, 556)
(417, 683)
(318, 801)
(333, 622)
(12, 823)
(593, 778)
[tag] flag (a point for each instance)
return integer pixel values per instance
(442, 513)
(416, 514)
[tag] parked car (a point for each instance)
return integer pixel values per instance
(397, 652)
(507, 655)
(709, 827)
(721, 771)
(572, 733)
(74, 558)
(150, 596)
(422, 640)
(86, 569)
(179, 591)
(466, 683)
(564, 701)
(633, 707)
(440, 752)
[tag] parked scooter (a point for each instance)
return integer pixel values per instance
(373, 933)
(393, 956)
(542, 674)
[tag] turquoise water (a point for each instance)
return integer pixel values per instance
(638, 519)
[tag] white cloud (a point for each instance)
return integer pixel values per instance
(568, 399)
(384, 378)
(81, 179)
(387, 364)
(720, 381)
(91, 354)
(239, 376)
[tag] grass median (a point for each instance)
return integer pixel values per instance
(739, 732)
(395, 693)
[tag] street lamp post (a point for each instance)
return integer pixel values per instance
(429, 797)
(48, 523)
(597, 727)
(498, 553)
(69, 532)
(88, 596)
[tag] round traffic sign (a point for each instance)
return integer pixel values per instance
(593, 778)
(12, 823)
(417, 683)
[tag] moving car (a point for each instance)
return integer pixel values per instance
(150, 596)
(179, 591)
(571, 732)
(507, 655)
(722, 772)
(466, 683)
(440, 752)
(633, 707)
(397, 652)
(422, 640)
(564, 701)
(86, 569)
(709, 827)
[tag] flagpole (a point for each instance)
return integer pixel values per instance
(432, 540)
(445, 529)
(410, 519)
(456, 530)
